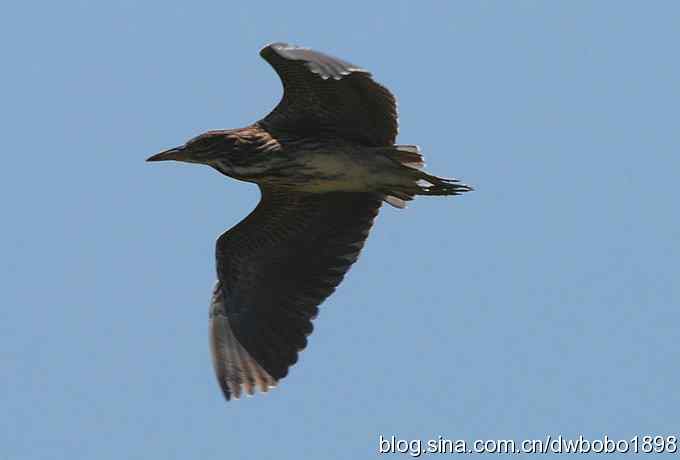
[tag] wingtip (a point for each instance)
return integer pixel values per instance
(270, 44)
(236, 370)
(319, 63)
(275, 46)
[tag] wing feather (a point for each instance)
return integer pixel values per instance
(324, 95)
(274, 269)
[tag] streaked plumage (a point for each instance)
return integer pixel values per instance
(324, 160)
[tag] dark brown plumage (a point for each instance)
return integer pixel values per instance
(325, 96)
(324, 160)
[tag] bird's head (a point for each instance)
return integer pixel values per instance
(206, 148)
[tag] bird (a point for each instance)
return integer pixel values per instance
(325, 160)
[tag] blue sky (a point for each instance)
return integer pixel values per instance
(546, 302)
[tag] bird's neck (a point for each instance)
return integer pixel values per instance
(254, 154)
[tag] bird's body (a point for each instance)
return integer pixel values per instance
(325, 160)
(306, 166)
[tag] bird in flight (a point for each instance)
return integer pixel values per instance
(325, 160)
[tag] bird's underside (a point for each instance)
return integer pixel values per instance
(318, 204)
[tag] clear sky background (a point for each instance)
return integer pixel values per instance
(546, 302)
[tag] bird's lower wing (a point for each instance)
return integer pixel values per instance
(274, 268)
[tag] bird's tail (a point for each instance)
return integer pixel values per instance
(413, 181)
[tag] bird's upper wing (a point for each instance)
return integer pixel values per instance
(274, 268)
(326, 95)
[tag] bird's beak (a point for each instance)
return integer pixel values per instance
(177, 154)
